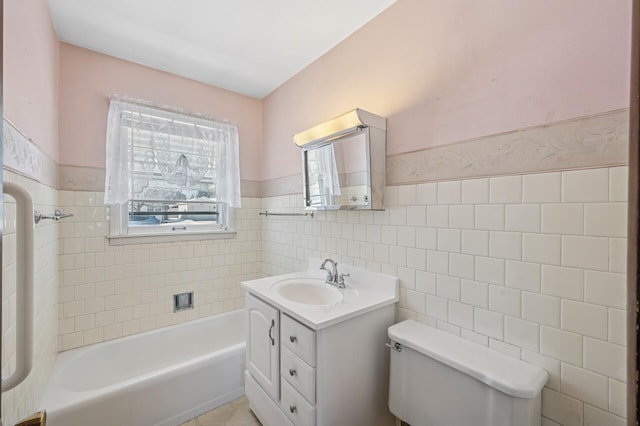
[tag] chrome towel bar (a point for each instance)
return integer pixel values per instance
(266, 213)
(57, 215)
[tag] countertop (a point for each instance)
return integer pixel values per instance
(365, 291)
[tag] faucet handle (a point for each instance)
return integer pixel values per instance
(341, 278)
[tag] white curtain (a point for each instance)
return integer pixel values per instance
(116, 185)
(227, 190)
(212, 147)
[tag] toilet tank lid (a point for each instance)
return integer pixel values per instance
(507, 374)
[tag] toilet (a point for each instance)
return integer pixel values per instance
(438, 379)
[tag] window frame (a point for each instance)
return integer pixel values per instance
(121, 231)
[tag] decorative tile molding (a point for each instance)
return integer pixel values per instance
(77, 178)
(594, 141)
(282, 186)
(24, 157)
(250, 188)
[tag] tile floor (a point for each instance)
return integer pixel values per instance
(234, 413)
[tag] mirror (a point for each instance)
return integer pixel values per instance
(345, 169)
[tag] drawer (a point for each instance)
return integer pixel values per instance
(296, 408)
(267, 411)
(299, 339)
(299, 374)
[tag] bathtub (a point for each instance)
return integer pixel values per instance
(162, 377)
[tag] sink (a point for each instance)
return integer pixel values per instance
(308, 291)
(306, 297)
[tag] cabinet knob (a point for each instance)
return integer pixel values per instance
(293, 339)
(292, 372)
(293, 408)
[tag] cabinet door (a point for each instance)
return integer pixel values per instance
(263, 345)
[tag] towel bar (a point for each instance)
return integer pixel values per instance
(57, 215)
(266, 213)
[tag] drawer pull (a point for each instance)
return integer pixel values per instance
(293, 408)
(292, 372)
(293, 339)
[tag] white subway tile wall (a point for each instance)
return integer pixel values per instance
(532, 265)
(24, 399)
(113, 291)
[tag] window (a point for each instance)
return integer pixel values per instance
(169, 173)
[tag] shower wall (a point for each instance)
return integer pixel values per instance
(24, 399)
(113, 291)
(30, 153)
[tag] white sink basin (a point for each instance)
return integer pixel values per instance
(308, 291)
(306, 297)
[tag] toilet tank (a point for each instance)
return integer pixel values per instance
(438, 379)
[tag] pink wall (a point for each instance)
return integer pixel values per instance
(441, 72)
(30, 77)
(88, 78)
(447, 71)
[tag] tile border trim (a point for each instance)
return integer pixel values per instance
(592, 141)
(23, 157)
(79, 178)
(587, 142)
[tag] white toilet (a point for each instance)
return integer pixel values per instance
(438, 379)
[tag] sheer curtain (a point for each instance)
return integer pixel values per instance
(116, 185)
(183, 148)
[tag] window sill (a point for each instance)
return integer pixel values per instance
(120, 240)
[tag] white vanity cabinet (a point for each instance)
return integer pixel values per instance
(263, 345)
(335, 375)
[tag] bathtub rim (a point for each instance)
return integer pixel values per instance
(94, 346)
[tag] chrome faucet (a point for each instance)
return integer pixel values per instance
(332, 275)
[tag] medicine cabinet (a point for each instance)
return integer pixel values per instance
(344, 162)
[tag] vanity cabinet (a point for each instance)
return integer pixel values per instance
(263, 345)
(336, 375)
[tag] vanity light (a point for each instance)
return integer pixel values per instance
(350, 122)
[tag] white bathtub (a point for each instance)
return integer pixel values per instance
(162, 377)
